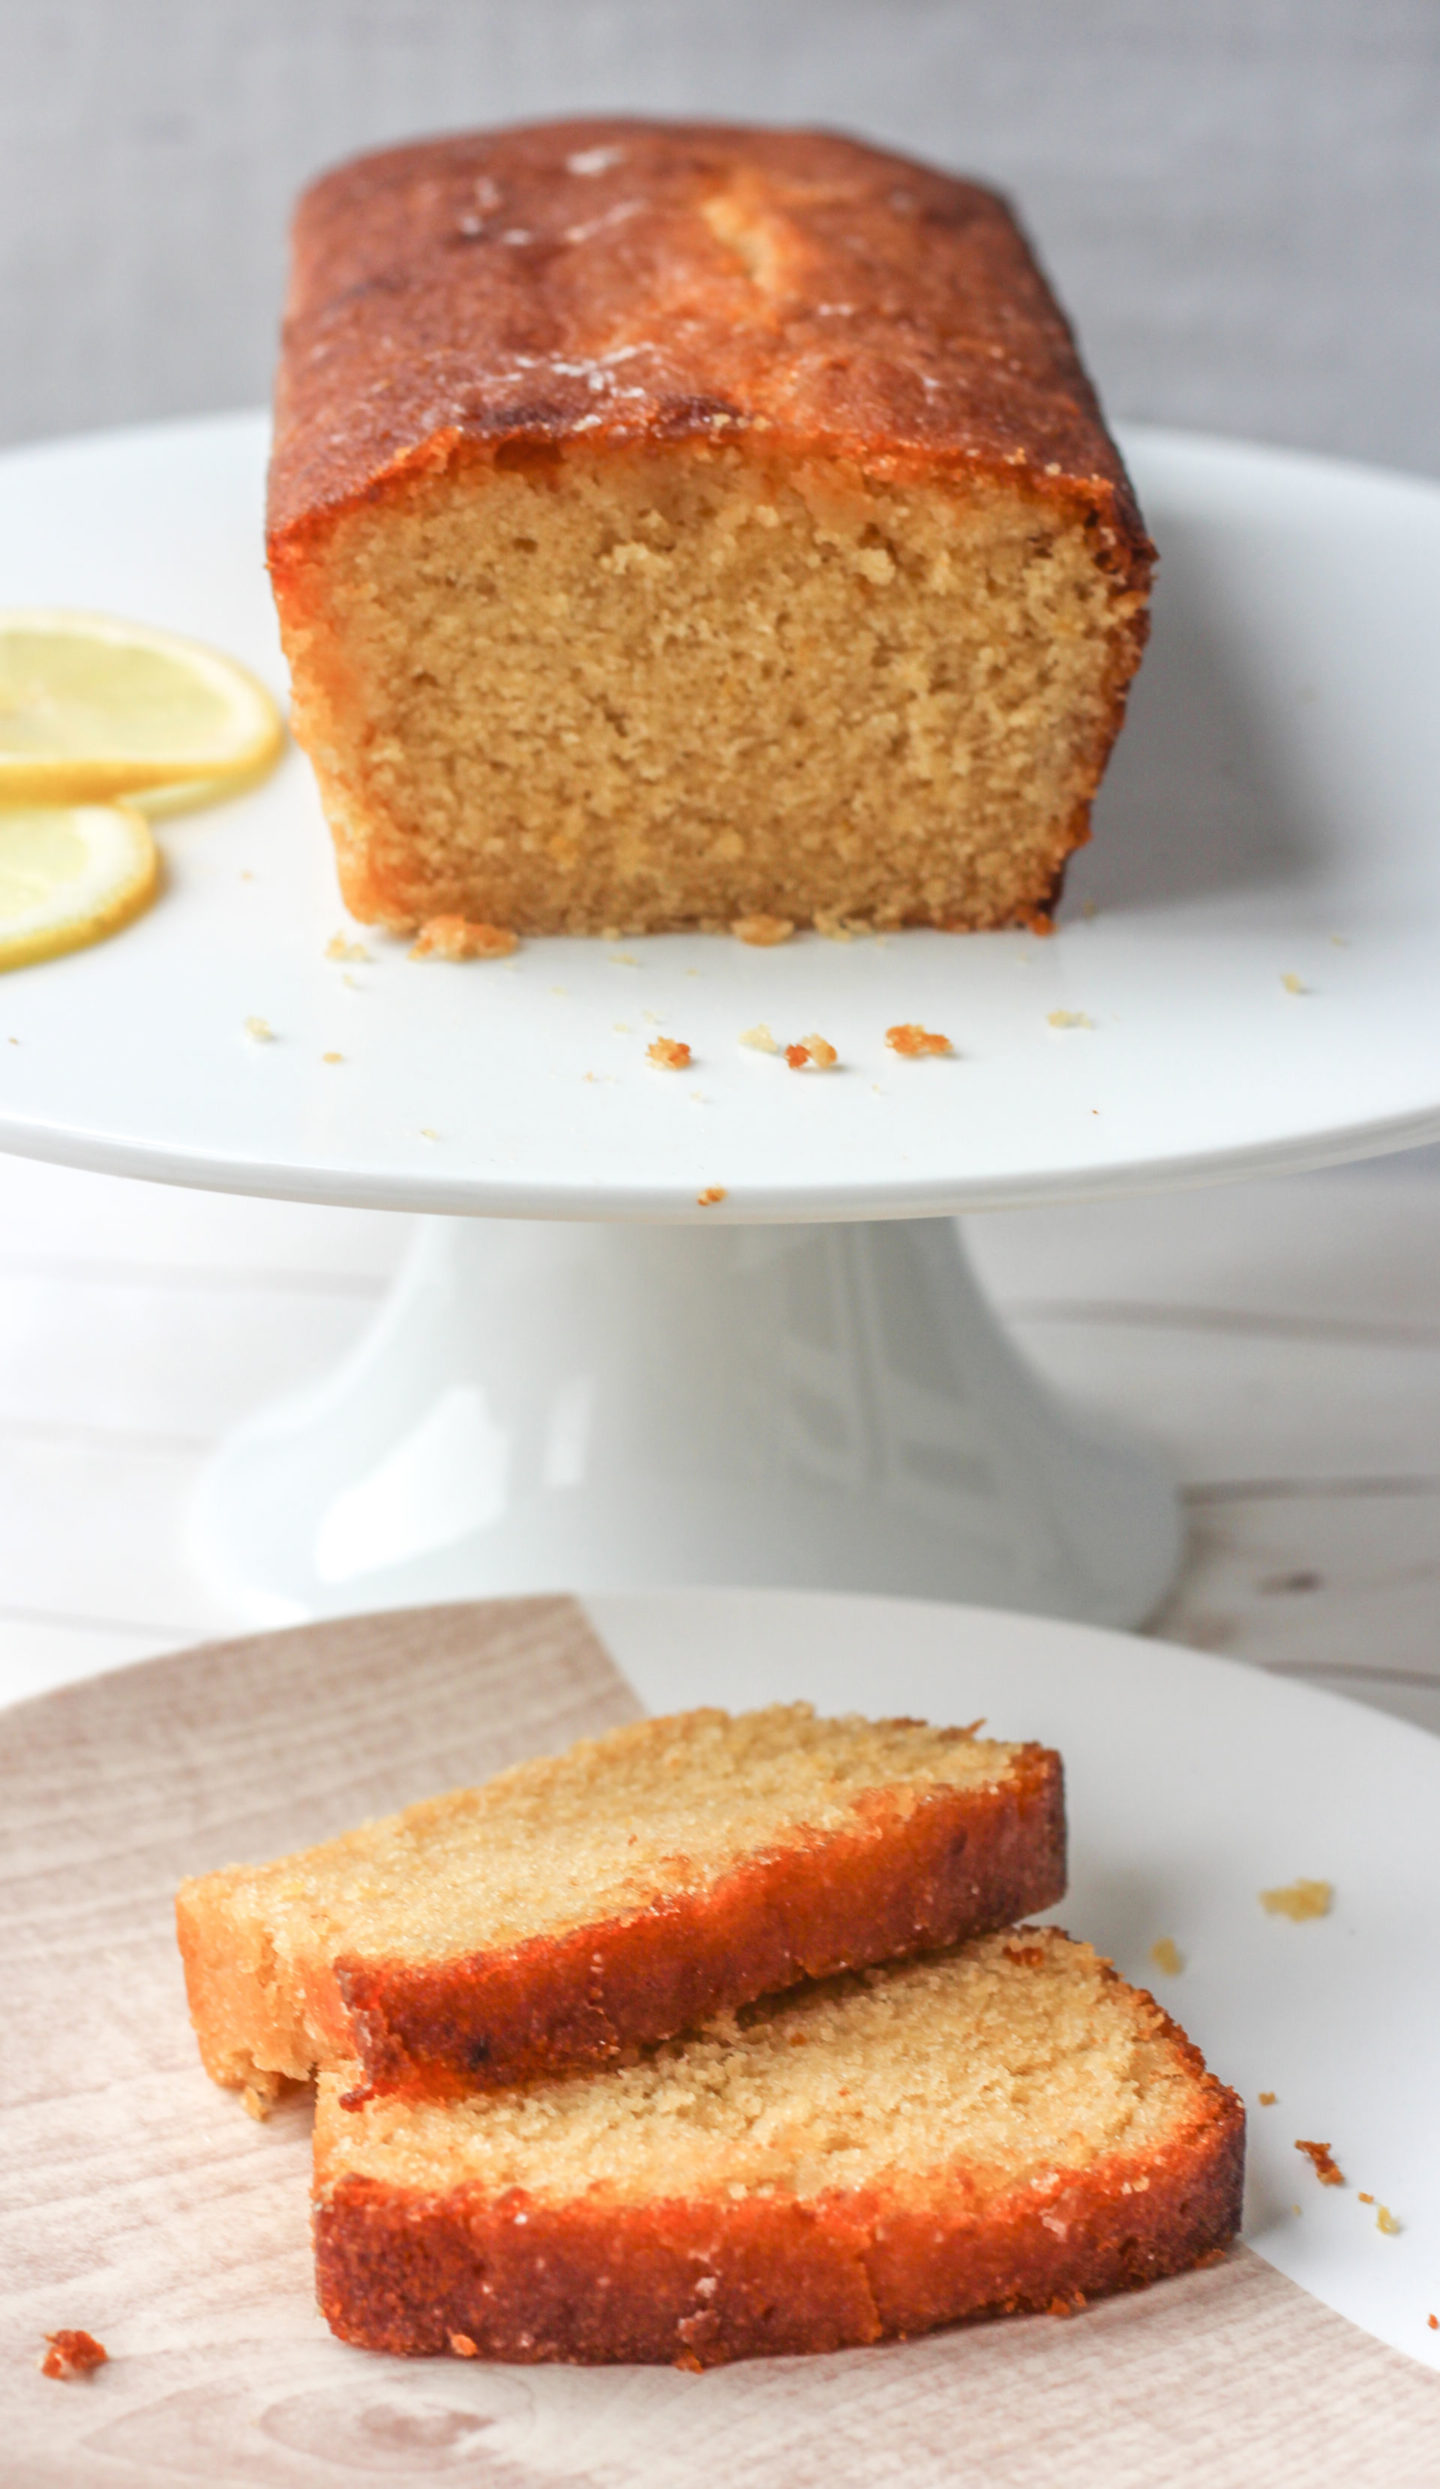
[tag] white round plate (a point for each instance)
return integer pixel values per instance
(1250, 949)
(1193, 1784)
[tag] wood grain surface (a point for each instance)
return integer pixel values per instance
(138, 2202)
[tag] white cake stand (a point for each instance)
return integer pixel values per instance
(594, 1377)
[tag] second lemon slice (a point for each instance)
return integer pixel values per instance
(70, 874)
(92, 708)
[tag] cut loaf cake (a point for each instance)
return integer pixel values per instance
(1003, 2127)
(677, 525)
(604, 1899)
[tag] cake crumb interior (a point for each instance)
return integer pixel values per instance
(660, 1806)
(1004, 2060)
(569, 691)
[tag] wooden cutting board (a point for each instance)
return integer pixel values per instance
(141, 2204)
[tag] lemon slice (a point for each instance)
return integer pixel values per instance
(70, 874)
(92, 708)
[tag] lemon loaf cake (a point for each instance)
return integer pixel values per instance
(592, 1902)
(677, 525)
(1003, 2127)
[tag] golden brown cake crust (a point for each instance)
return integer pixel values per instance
(566, 410)
(501, 295)
(962, 1863)
(512, 2278)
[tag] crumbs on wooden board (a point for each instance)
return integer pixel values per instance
(71, 2353)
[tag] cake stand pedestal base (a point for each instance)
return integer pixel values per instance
(555, 1406)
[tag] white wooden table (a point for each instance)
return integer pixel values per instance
(1279, 1342)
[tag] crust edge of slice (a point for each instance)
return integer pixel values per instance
(892, 1883)
(707, 2281)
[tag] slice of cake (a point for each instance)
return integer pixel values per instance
(603, 1899)
(1003, 2127)
(676, 525)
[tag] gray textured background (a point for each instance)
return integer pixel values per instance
(1238, 199)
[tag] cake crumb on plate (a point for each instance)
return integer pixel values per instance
(909, 1038)
(1327, 2169)
(812, 1053)
(1167, 1956)
(456, 937)
(1309, 1897)
(671, 1053)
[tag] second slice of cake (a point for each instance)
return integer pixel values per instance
(1001, 2127)
(584, 1905)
